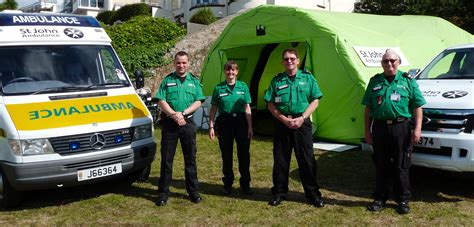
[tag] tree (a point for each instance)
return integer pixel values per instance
(458, 12)
(9, 4)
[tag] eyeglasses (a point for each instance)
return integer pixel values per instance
(291, 59)
(385, 61)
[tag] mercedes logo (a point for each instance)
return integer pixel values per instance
(97, 141)
(454, 94)
(73, 33)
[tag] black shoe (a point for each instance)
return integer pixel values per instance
(276, 200)
(227, 190)
(317, 201)
(247, 191)
(376, 206)
(403, 208)
(161, 201)
(195, 198)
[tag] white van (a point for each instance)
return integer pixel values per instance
(69, 114)
(447, 83)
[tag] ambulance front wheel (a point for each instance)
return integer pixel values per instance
(9, 198)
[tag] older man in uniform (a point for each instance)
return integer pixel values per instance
(391, 99)
(291, 98)
(180, 94)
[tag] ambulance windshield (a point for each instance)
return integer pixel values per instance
(51, 69)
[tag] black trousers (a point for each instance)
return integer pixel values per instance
(170, 134)
(392, 158)
(231, 128)
(301, 140)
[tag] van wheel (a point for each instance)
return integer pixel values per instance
(9, 198)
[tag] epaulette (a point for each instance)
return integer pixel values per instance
(407, 75)
(279, 74)
(305, 71)
(170, 74)
(195, 76)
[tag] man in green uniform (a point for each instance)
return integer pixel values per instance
(180, 94)
(232, 99)
(391, 99)
(291, 98)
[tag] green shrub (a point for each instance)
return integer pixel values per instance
(127, 12)
(142, 42)
(143, 57)
(203, 16)
(143, 30)
(105, 17)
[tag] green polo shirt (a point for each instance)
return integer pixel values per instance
(293, 96)
(391, 100)
(231, 101)
(180, 95)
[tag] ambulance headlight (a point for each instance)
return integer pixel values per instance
(31, 147)
(142, 132)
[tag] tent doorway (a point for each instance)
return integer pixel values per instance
(258, 64)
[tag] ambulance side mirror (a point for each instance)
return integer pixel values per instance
(139, 79)
(414, 72)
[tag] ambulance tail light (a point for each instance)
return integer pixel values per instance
(31, 147)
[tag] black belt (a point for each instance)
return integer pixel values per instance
(392, 121)
(293, 115)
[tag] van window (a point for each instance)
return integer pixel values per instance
(48, 69)
(451, 64)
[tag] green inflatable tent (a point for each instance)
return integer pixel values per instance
(342, 50)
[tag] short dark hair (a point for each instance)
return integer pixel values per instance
(230, 64)
(180, 54)
(291, 51)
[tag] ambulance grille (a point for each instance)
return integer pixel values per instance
(448, 121)
(91, 142)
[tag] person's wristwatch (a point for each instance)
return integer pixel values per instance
(184, 113)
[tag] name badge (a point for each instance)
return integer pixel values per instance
(277, 99)
(240, 93)
(377, 88)
(170, 84)
(301, 83)
(224, 94)
(191, 85)
(395, 97)
(283, 86)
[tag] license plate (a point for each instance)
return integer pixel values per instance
(103, 171)
(429, 142)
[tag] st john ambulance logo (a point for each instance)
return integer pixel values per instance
(454, 94)
(73, 33)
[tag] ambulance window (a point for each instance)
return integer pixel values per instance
(112, 72)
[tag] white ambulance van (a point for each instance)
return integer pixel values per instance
(69, 114)
(447, 83)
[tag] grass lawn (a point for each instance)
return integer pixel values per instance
(346, 181)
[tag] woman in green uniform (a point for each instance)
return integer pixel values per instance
(231, 99)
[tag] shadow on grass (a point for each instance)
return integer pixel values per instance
(352, 173)
(63, 196)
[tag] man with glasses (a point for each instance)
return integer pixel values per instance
(391, 99)
(291, 98)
